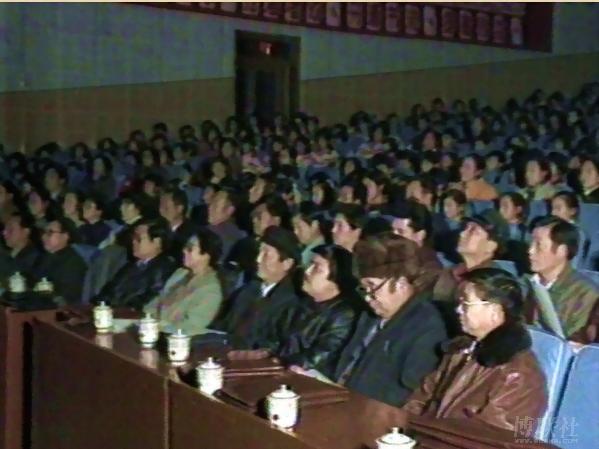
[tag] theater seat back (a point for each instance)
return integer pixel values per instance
(577, 422)
(554, 356)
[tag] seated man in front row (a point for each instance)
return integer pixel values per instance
(272, 300)
(492, 374)
(393, 348)
(142, 279)
(561, 299)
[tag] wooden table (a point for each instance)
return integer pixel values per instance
(103, 392)
(15, 364)
(86, 395)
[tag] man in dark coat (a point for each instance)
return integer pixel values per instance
(141, 280)
(61, 264)
(173, 208)
(271, 301)
(397, 345)
(22, 255)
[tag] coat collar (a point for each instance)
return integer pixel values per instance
(497, 348)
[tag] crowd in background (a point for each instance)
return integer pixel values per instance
(353, 231)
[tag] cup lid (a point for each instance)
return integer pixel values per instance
(179, 334)
(209, 363)
(283, 392)
(395, 437)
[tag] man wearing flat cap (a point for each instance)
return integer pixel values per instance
(255, 308)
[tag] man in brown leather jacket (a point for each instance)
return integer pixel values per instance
(490, 375)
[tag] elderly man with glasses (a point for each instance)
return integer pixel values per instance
(491, 374)
(395, 343)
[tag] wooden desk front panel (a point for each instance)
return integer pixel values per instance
(87, 397)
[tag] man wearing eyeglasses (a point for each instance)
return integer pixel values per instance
(490, 374)
(61, 264)
(395, 343)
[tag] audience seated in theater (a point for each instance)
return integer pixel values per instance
(491, 374)
(21, 239)
(479, 243)
(104, 184)
(173, 208)
(448, 225)
(347, 226)
(95, 230)
(314, 343)
(311, 229)
(413, 222)
(10, 200)
(192, 295)
(61, 264)
(395, 344)
(40, 206)
(55, 181)
(562, 300)
(537, 176)
(471, 180)
(589, 178)
(272, 299)
(221, 218)
(143, 278)
(72, 205)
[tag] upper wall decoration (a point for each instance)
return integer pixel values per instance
(525, 26)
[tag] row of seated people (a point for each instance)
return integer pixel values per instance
(319, 323)
(324, 259)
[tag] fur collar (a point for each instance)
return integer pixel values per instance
(497, 348)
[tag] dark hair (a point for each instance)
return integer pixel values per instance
(105, 160)
(517, 200)
(157, 229)
(360, 192)
(479, 161)
(561, 233)
(354, 215)
(500, 287)
(210, 243)
(60, 170)
(309, 213)
(179, 198)
(570, 198)
(457, 195)
(544, 165)
(277, 207)
(67, 227)
(97, 200)
(135, 199)
(329, 194)
(26, 221)
(420, 218)
(340, 266)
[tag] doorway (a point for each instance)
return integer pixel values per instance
(266, 75)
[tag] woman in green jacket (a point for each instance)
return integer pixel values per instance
(192, 296)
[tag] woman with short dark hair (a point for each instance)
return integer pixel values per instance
(192, 295)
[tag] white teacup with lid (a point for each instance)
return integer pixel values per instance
(178, 347)
(103, 317)
(210, 376)
(282, 407)
(17, 283)
(44, 286)
(395, 440)
(149, 331)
